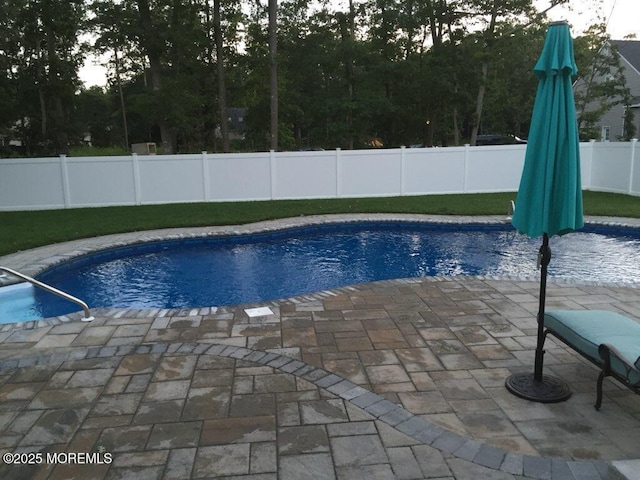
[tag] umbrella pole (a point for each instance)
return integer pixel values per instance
(538, 387)
(544, 257)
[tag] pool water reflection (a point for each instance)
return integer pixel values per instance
(258, 267)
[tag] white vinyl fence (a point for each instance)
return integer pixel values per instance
(68, 182)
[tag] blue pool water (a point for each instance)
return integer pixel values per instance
(18, 303)
(251, 268)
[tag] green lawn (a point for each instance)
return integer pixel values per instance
(28, 229)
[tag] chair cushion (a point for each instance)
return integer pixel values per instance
(586, 330)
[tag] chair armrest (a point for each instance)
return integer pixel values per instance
(608, 353)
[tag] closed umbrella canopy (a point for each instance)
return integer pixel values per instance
(549, 200)
(550, 195)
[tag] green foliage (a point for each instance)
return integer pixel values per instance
(629, 127)
(404, 72)
(511, 82)
(39, 57)
(97, 151)
(96, 114)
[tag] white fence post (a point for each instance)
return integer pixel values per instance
(592, 144)
(465, 167)
(137, 187)
(338, 172)
(272, 166)
(634, 141)
(205, 177)
(66, 192)
(402, 170)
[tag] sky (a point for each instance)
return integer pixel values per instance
(622, 17)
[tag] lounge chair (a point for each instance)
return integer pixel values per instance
(607, 339)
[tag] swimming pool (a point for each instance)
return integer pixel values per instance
(230, 270)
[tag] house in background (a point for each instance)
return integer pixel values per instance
(237, 126)
(611, 125)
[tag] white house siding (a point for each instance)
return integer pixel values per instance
(614, 118)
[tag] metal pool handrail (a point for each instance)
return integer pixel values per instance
(50, 289)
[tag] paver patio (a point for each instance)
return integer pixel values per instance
(393, 379)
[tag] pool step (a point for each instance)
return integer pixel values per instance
(625, 470)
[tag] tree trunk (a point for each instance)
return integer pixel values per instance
(479, 103)
(43, 112)
(124, 111)
(485, 68)
(456, 130)
(151, 46)
(346, 34)
(434, 24)
(43, 103)
(222, 88)
(61, 140)
(273, 62)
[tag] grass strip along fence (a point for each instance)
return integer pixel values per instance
(28, 229)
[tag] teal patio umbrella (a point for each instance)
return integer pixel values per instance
(549, 200)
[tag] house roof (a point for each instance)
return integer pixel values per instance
(630, 50)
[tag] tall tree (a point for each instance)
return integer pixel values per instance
(164, 46)
(491, 12)
(109, 24)
(222, 88)
(511, 83)
(153, 45)
(44, 62)
(411, 71)
(442, 67)
(9, 59)
(273, 71)
(347, 36)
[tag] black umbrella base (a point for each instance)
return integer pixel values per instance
(547, 390)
